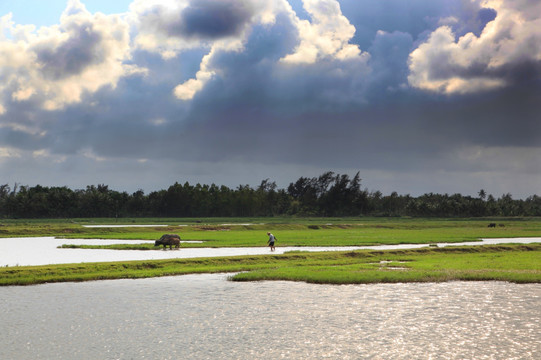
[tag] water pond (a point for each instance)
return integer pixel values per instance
(207, 317)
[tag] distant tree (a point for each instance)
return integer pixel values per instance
(329, 194)
(305, 195)
(482, 194)
(533, 205)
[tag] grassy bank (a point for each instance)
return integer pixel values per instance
(514, 263)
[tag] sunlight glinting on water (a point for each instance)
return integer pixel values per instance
(206, 317)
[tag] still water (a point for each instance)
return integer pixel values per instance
(44, 250)
(207, 317)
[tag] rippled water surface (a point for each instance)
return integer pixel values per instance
(207, 317)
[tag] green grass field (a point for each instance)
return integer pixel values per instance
(289, 231)
(516, 263)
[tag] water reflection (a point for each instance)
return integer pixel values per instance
(43, 250)
(205, 317)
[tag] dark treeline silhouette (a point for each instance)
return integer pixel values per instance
(327, 195)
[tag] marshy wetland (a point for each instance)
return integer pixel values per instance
(391, 304)
(428, 247)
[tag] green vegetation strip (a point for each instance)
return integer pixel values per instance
(514, 263)
(241, 232)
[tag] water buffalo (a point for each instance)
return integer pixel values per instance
(169, 239)
(492, 225)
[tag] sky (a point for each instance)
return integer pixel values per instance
(417, 96)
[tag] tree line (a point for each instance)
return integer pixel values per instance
(329, 194)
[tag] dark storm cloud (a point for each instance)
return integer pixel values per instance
(200, 19)
(133, 121)
(484, 16)
(81, 49)
(415, 17)
(389, 55)
(507, 117)
(213, 18)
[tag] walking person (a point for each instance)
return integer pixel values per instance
(271, 241)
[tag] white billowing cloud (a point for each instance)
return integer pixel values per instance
(440, 64)
(189, 88)
(54, 66)
(479, 63)
(327, 35)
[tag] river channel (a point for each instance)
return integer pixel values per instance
(44, 250)
(207, 317)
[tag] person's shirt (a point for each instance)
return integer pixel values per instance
(271, 238)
